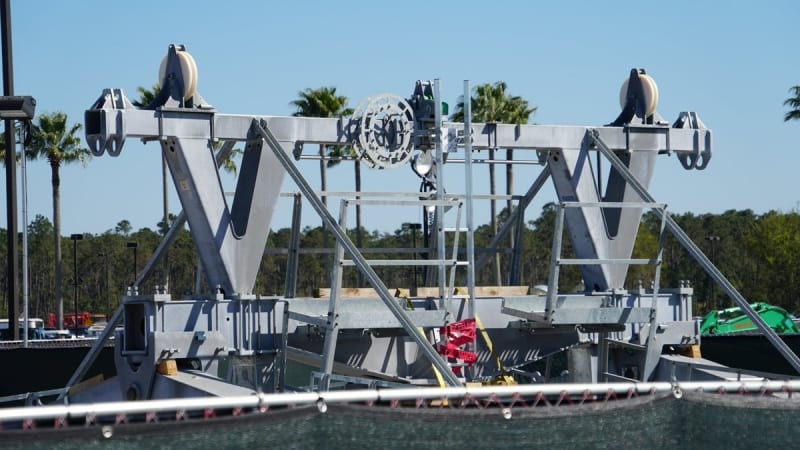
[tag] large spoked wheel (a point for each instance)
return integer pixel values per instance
(385, 132)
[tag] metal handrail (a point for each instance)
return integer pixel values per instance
(263, 401)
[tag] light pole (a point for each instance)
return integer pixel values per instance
(413, 227)
(134, 246)
(12, 108)
(712, 240)
(75, 279)
(108, 285)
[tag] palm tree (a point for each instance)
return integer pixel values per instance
(491, 104)
(322, 102)
(146, 97)
(518, 112)
(52, 140)
(794, 104)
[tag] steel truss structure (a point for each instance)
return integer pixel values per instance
(233, 341)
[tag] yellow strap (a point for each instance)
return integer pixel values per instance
(488, 342)
(404, 294)
(439, 376)
(484, 334)
(436, 372)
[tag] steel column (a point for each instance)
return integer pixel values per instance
(332, 331)
(11, 181)
(293, 258)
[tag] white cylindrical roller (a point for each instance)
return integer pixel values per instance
(650, 90)
(188, 73)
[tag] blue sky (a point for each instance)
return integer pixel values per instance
(733, 63)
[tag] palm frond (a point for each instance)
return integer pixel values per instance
(146, 96)
(490, 103)
(793, 103)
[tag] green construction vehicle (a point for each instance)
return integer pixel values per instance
(734, 320)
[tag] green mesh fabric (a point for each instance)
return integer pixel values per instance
(653, 422)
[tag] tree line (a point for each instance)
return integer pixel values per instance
(759, 254)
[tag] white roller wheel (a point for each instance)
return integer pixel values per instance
(188, 73)
(650, 90)
(193, 87)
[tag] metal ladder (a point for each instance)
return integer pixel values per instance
(556, 261)
(340, 262)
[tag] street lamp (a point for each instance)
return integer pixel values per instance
(108, 285)
(413, 227)
(12, 108)
(134, 246)
(712, 240)
(75, 279)
(17, 107)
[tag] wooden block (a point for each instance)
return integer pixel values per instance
(168, 367)
(85, 384)
(427, 291)
(500, 291)
(480, 291)
(347, 293)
